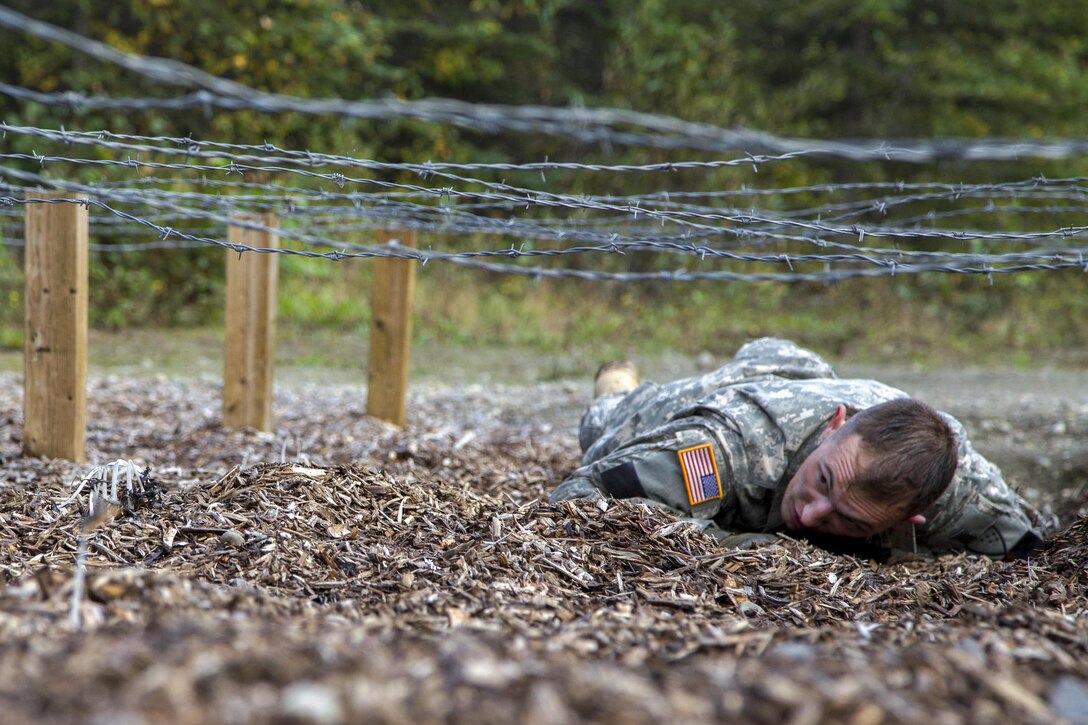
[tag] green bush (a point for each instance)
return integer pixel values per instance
(825, 68)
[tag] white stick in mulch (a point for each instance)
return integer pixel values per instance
(107, 496)
(101, 512)
(106, 480)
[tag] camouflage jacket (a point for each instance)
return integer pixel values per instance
(758, 417)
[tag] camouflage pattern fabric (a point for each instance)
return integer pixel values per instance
(761, 415)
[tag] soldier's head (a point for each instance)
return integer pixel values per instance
(884, 465)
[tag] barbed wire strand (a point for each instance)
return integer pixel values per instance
(509, 227)
(745, 223)
(968, 264)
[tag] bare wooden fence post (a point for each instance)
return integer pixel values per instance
(391, 331)
(55, 345)
(250, 327)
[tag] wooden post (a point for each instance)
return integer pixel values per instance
(390, 332)
(250, 327)
(55, 345)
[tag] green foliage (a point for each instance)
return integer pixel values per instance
(11, 297)
(822, 68)
(155, 288)
(841, 68)
(318, 293)
(679, 58)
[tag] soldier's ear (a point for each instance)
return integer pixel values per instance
(837, 419)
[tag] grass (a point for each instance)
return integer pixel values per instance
(560, 328)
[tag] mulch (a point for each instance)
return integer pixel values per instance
(343, 570)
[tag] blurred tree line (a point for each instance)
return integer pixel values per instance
(820, 68)
(823, 68)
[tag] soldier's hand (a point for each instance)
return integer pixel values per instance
(749, 540)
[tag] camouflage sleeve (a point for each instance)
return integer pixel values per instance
(783, 358)
(595, 420)
(652, 467)
(614, 419)
(980, 513)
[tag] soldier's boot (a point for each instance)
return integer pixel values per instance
(617, 376)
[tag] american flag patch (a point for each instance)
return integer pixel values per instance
(700, 474)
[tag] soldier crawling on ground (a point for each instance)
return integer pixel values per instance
(775, 440)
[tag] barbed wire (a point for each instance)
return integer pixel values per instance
(1036, 187)
(587, 125)
(663, 199)
(746, 224)
(270, 153)
(241, 163)
(855, 233)
(986, 264)
(758, 228)
(1039, 189)
(591, 125)
(333, 218)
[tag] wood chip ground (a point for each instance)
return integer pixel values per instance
(342, 570)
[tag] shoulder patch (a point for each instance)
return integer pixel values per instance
(700, 474)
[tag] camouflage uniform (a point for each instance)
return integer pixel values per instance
(762, 414)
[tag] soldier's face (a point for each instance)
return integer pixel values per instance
(821, 496)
